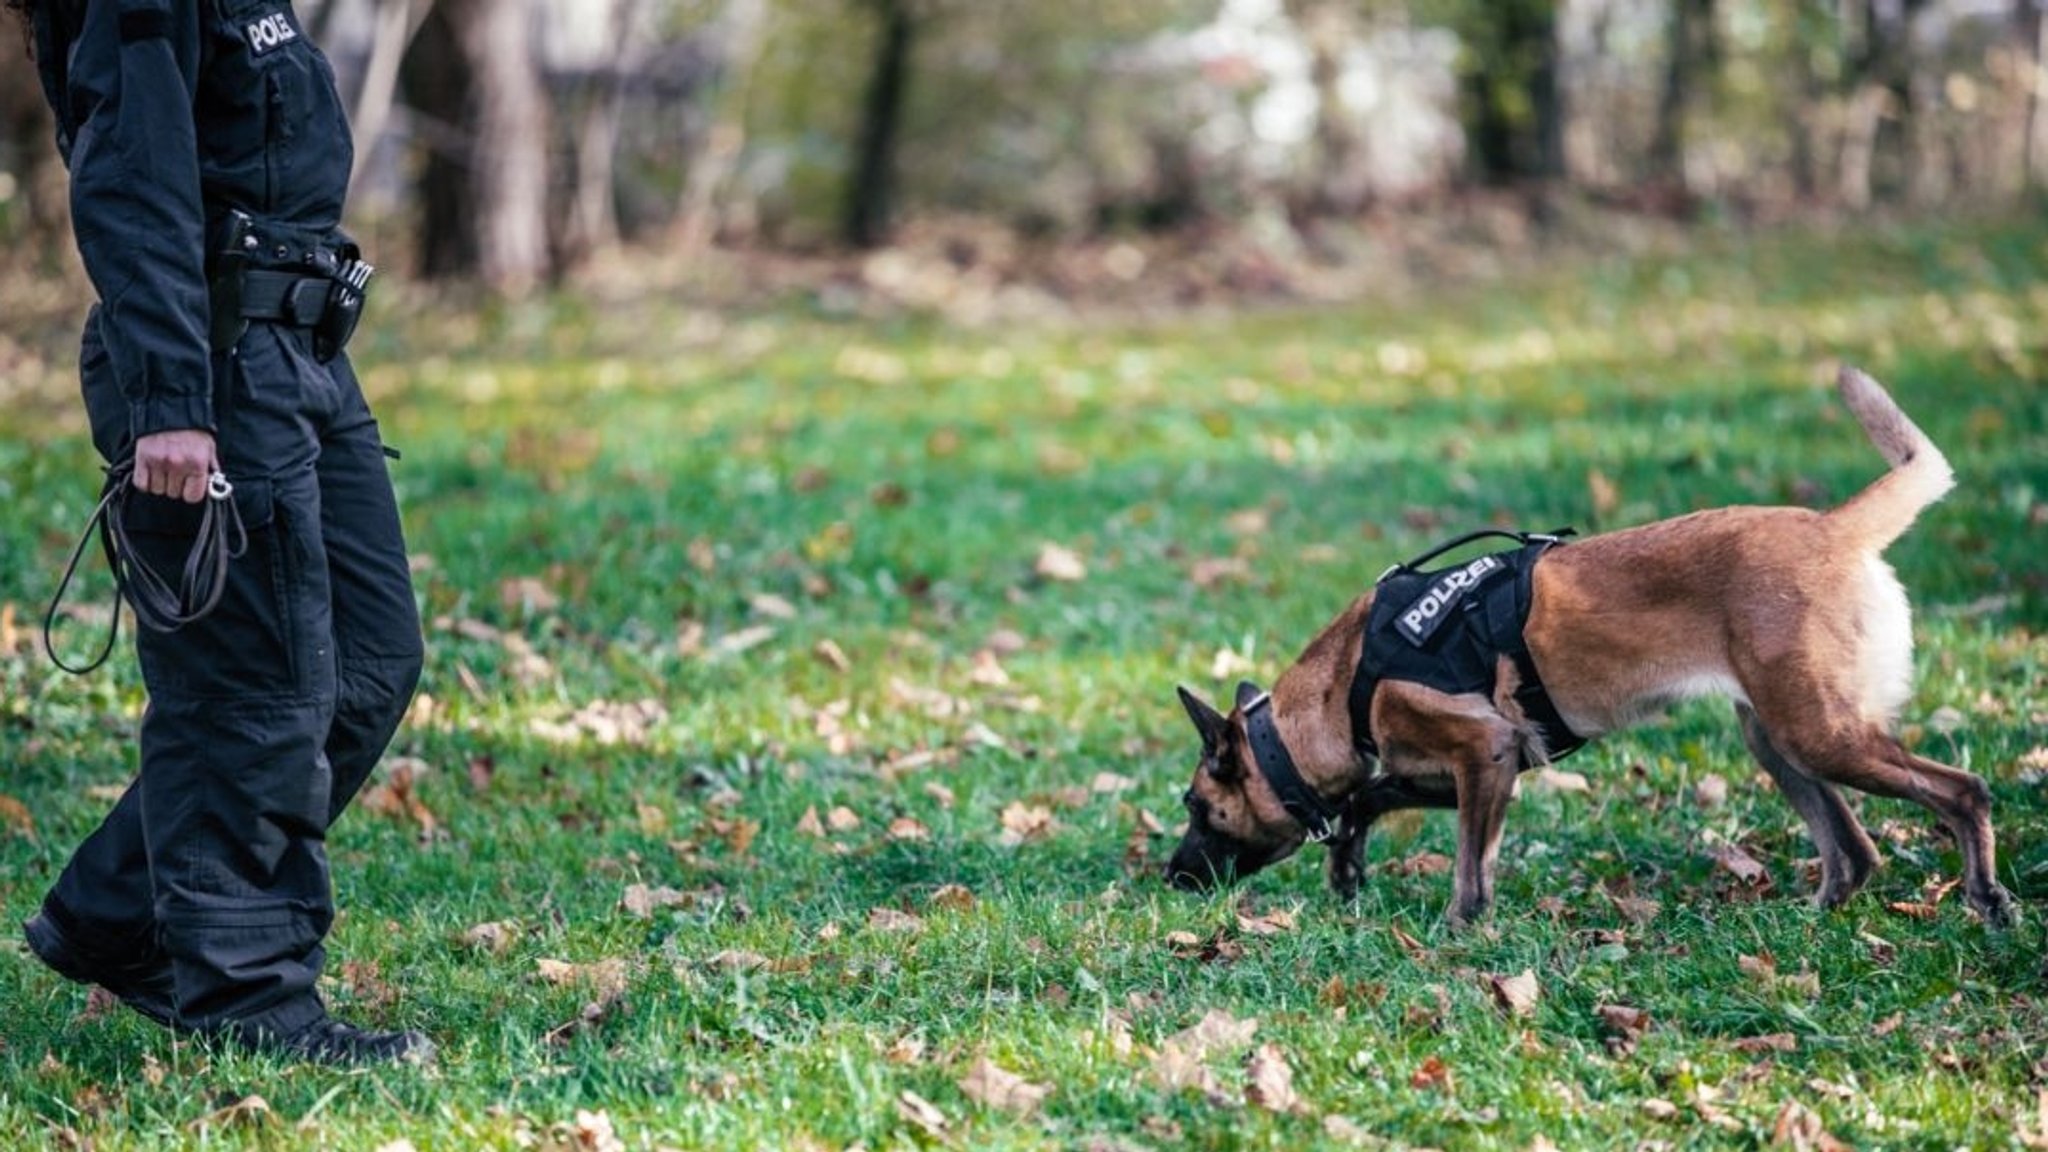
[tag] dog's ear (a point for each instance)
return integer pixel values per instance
(1213, 726)
(1247, 692)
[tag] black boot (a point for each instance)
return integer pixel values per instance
(337, 1045)
(142, 981)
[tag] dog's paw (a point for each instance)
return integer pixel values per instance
(2000, 910)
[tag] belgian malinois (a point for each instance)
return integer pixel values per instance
(1791, 612)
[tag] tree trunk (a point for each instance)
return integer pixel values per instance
(45, 222)
(1517, 68)
(1687, 49)
(396, 23)
(486, 184)
(716, 151)
(870, 203)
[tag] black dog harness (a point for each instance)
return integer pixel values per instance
(1448, 628)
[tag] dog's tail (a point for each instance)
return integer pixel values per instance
(1919, 475)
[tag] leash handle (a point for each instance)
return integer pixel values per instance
(1554, 536)
(203, 579)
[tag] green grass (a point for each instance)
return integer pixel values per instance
(673, 479)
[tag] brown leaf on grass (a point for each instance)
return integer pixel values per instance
(11, 637)
(1710, 792)
(922, 1114)
(1213, 570)
(1761, 968)
(1635, 909)
(1771, 1042)
(809, 825)
(365, 982)
(1269, 1082)
(1217, 1031)
(893, 920)
(941, 794)
(1658, 1108)
(1549, 779)
(1914, 909)
(1109, 783)
(1217, 947)
(1732, 859)
(1024, 822)
(987, 670)
(495, 936)
(1516, 995)
(907, 1049)
(1056, 562)
(832, 656)
(737, 833)
(248, 1112)
(1420, 864)
(527, 595)
(905, 828)
(992, 1086)
(1433, 1075)
(606, 977)
(396, 795)
(1409, 944)
(953, 897)
(641, 901)
(587, 1132)
(1345, 1130)
(1271, 923)
(15, 816)
(842, 819)
(1800, 1129)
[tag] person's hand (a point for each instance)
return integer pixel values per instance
(175, 464)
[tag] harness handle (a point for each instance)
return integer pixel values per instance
(1554, 536)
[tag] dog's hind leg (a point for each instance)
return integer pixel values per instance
(1847, 856)
(1859, 754)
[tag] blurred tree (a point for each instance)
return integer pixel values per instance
(1692, 49)
(36, 211)
(871, 192)
(473, 75)
(1515, 110)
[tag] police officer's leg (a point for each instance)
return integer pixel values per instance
(98, 923)
(376, 622)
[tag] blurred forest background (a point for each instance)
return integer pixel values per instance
(982, 157)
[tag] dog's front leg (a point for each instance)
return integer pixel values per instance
(1486, 782)
(1346, 865)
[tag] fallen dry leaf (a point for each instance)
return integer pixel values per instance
(1551, 780)
(893, 920)
(641, 901)
(1271, 923)
(1516, 995)
(905, 828)
(1800, 1129)
(1023, 822)
(832, 655)
(1710, 792)
(1269, 1082)
(1106, 783)
(248, 1112)
(1433, 1074)
(15, 816)
(922, 1114)
(1060, 563)
(954, 897)
(809, 824)
(1731, 859)
(1657, 1108)
(1605, 497)
(527, 595)
(842, 819)
(1772, 1042)
(606, 977)
(992, 1086)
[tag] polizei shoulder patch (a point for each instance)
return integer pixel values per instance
(1424, 614)
(270, 32)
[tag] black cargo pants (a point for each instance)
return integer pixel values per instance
(265, 718)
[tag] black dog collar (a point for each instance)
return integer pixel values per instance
(1271, 758)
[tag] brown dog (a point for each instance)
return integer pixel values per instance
(1792, 612)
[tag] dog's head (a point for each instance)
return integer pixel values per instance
(1236, 824)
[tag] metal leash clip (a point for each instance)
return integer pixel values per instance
(218, 488)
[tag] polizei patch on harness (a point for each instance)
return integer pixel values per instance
(267, 34)
(1420, 619)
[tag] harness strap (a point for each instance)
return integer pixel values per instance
(1271, 758)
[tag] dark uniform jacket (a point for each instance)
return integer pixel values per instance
(170, 113)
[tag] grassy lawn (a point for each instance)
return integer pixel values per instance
(798, 746)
